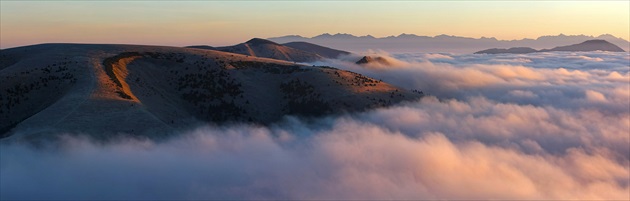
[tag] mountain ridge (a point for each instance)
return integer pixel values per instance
(293, 51)
(259, 47)
(589, 45)
(317, 49)
(405, 35)
(441, 43)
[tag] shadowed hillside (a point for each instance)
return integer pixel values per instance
(317, 49)
(205, 47)
(589, 45)
(371, 60)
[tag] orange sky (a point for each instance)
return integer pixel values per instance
(224, 23)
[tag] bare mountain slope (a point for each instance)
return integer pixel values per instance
(205, 47)
(264, 48)
(372, 60)
(317, 49)
(105, 90)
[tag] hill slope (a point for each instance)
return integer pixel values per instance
(267, 49)
(317, 49)
(205, 47)
(372, 60)
(105, 90)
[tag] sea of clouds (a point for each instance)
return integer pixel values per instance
(535, 126)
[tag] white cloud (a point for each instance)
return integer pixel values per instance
(595, 96)
(523, 94)
(493, 130)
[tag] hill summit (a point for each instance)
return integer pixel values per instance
(260, 41)
(589, 45)
(586, 46)
(317, 49)
(372, 60)
(292, 51)
(259, 47)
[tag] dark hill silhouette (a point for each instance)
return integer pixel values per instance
(589, 45)
(586, 46)
(373, 60)
(260, 41)
(205, 47)
(317, 49)
(514, 50)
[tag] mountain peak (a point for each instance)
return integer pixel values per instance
(402, 35)
(260, 41)
(324, 35)
(367, 36)
(589, 45)
(337, 35)
(343, 34)
(258, 47)
(294, 35)
(596, 41)
(586, 46)
(606, 36)
(370, 60)
(444, 36)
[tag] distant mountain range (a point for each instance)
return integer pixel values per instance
(441, 43)
(586, 46)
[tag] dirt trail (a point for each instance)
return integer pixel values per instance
(116, 69)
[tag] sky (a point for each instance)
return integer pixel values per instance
(179, 23)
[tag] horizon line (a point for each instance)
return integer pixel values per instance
(461, 36)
